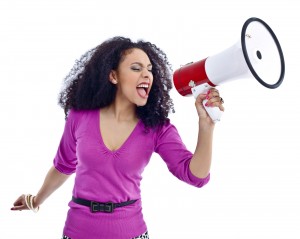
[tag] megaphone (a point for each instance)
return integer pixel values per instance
(257, 55)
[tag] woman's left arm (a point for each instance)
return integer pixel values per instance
(201, 160)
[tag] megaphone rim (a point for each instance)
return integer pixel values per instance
(243, 43)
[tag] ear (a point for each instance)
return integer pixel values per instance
(113, 77)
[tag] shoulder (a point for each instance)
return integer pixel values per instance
(168, 125)
(168, 128)
(74, 113)
(75, 116)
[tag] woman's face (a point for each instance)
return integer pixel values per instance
(133, 77)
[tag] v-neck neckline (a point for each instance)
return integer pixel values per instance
(125, 141)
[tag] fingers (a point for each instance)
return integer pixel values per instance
(20, 204)
(19, 200)
(25, 202)
(214, 99)
(19, 208)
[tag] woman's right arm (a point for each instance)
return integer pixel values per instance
(53, 180)
(64, 164)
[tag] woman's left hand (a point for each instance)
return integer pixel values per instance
(213, 100)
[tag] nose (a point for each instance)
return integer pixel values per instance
(146, 74)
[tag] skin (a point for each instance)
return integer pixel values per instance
(118, 120)
(201, 160)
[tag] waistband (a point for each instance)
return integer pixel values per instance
(107, 207)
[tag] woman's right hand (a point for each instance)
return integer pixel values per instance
(20, 203)
(54, 179)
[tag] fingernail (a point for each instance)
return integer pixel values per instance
(206, 104)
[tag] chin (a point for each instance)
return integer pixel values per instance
(141, 104)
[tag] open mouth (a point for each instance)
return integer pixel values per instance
(143, 90)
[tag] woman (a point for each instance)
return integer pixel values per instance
(117, 102)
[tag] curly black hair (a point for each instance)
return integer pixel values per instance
(87, 86)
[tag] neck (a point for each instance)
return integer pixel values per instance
(122, 111)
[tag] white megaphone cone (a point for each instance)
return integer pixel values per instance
(256, 55)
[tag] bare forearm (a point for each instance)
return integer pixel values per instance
(201, 161)
(53, 180)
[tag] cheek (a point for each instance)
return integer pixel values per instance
(151, 82)
(127, 88)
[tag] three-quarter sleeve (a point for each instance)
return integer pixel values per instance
(65, 160)
(173, 151)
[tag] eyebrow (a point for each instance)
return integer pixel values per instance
(138, 63)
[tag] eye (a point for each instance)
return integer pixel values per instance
(136, 68)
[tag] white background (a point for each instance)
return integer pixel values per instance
(255, 176)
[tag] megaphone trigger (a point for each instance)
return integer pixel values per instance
(200, 89)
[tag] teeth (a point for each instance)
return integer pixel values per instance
(143, 86)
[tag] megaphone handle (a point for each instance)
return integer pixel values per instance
(214, 112)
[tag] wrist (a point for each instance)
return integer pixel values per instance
(206, 125)
(36, 201)
(29, 200)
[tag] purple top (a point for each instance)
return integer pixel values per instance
(114, 176)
